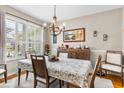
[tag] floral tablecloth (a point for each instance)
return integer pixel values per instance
(74, 71)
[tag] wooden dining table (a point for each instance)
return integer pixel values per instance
(74, 71)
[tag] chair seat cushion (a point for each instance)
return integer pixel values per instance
(111, 67)
(2, 71)
(44, 80)
(103, 83)
(99, 82)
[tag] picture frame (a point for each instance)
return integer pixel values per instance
(74, 35)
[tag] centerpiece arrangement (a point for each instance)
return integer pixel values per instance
(52, 58)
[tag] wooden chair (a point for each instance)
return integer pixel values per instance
(40, 71)
(93, 75)
(62, 54)
(3, 70)
(97, 82)
(113, 62)
(93, 81)
(28, 56)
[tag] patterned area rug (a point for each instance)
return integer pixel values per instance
(103, 83)
(13, 83)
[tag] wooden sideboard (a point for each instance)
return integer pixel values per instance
(76, 53)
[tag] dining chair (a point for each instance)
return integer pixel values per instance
(40, 71)
(113, 63)
(98, 82)
(28, 56)
(3, 70)
(62, 54)
(90, 79)
(93, 75)
(93, 81)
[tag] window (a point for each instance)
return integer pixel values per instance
(14, 39)
(10, 38)
(22, 36)
(34, 38)
(21, 39)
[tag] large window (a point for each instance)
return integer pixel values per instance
(21, 36)
(34, 38)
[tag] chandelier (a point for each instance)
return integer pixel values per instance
(54, 28)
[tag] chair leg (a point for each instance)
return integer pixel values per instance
(27, 72)
(100, 72)
(122, 82)
(60, 83)
(19, 73)
(5, 77)
(47, 85)
(35, 83)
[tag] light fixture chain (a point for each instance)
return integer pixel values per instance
(54, 10)
(54, 28)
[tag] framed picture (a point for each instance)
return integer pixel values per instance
(74, 35)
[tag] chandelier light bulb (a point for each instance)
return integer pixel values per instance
(44, 24)
(53, 21)
(63, 24)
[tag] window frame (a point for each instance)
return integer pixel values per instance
(25, 25)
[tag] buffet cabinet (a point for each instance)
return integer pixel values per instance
(76, 53)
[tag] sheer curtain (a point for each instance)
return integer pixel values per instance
(2, 37)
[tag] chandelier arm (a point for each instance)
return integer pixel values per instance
(59, 32)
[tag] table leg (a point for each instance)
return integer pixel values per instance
(19, 74)
(27, 74)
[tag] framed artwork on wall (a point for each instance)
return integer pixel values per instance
(74, 35)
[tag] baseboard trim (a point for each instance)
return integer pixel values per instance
(11, 76)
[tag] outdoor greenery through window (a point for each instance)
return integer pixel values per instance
(21, 36)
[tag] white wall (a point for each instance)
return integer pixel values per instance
(8, 9)
(109, 22)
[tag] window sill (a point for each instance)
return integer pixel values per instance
(14, 59)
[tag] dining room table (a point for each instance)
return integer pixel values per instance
(74, 71)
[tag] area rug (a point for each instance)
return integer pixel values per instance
(13, 83)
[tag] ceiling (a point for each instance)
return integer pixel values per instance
(64, 12)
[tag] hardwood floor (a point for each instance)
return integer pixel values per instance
(11, 76)
(116, 80)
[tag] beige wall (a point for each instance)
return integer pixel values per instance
(109, 22)
(123, 30)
